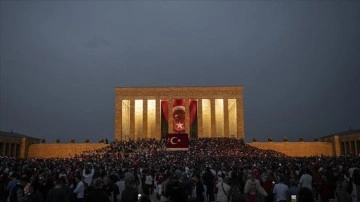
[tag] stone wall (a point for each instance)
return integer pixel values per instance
(297, 148)
(288, 148)
(61, 150)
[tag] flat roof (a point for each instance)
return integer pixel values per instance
(14, 134)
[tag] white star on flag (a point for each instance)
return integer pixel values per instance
(179, 126)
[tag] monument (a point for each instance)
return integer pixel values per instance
(155, 112)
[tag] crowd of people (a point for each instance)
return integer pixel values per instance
(213, 169)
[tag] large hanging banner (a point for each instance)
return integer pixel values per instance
(177, 142)
(179, 121)
(179, 115)
(193, 118)
(164, 118)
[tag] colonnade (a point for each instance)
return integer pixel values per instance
(138, 111)
(10, 149)
(350, 147)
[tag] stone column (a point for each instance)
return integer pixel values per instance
(118, 118)
(187, 117)
(17, 150)
(158, 119)
(145, 119)
(240, 117)
(226, 118)
(337, 146)
(350, 146)
(24, 147)
(13, 149)
(213, 121)
(347, 148)
(355, 148)
(349, 142)
(170, 114)
(5, 149)
(8, 149)
(2, 149)
(200, 118)
(132, 119)
(343, 148)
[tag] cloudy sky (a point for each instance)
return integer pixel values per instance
(299, 62)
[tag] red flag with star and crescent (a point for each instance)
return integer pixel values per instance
(177, 142)
(179, 115)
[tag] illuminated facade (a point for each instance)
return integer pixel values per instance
(345, 143)
(14, 144)
(152, 112)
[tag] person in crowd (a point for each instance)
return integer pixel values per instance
(148, 183)
(174, 189)
(356, 183)
(32, 193)
(199, 188)
(97, 194)
(236, 191)
(11, 186)
(110, 187)
(88, 174)
(324, 189)
(281, 190)
(268, 185)
(209, 181)
(305, 195)
(254, 194)
(120, 185)
(306, 179)
(187, 185)
(293, 189)
(223, 189)
(343, 192)
(17, 194)
(79, 190)
(57, 193)
(250, 178)
(130, 193)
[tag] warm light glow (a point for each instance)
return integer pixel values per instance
(151, 125)
(139, 119)
(144, 118)
(219, 117)
(125, 125)
(206, 116)
(232, 118)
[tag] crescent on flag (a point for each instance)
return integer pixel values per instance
(177, 142)
(173, 139)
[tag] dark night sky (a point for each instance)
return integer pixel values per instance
(299, 62)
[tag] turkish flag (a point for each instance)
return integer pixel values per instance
(179, 115)
(177, 142)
